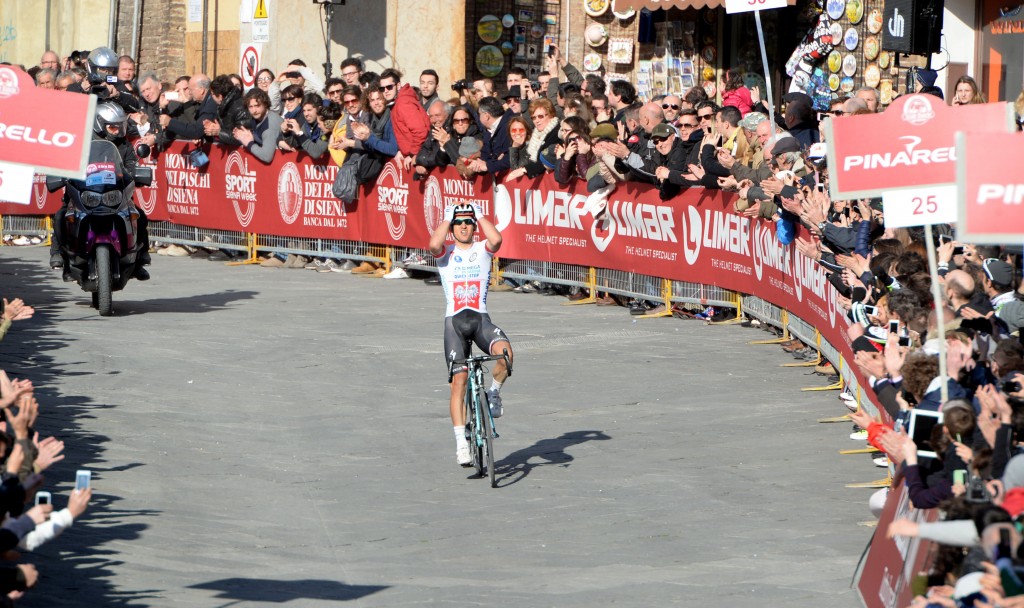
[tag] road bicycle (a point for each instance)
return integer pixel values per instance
(480, 432)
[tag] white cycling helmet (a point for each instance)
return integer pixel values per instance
(464, 209)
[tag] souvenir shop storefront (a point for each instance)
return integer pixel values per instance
(668, 46)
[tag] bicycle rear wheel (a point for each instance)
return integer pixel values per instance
(488, 431)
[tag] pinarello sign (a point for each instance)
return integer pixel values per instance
(990, 187)
(44, 128)
(909, 145)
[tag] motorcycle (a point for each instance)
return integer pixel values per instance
(101, 246)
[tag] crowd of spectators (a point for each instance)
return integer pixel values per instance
(583, 129)
(29, 517)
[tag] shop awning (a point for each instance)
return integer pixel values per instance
(623, 5)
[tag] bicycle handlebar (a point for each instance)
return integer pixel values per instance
(480, 359)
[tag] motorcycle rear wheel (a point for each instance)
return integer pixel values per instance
(104, 287)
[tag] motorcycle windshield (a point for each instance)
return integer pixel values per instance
(105, 170)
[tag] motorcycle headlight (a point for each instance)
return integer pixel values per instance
(112, 199)
(91, 200)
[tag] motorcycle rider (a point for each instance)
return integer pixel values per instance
(111, 124)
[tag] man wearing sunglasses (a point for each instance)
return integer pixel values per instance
(465, 269)
(671, 105)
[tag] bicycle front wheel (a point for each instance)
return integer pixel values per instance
(488, 432)
(473, 433)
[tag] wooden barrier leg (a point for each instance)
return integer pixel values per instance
(591, 285)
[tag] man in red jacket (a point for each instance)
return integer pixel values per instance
(408, 118)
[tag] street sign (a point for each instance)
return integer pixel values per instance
(261, 22)
(745, 6)
(909, 145)
(45, 129)
(990, 187)
(249, 65)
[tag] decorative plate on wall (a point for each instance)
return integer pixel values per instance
(854, 11)
(596, 35)
(835, 8)
(871, 48)
(875, 21)
(489, 28)
(872, 75)
(626, 14)
(596, 8)
(849, 65)
(490, 61)
(851, 38)
(835, 62)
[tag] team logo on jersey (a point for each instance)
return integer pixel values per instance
(466, 295)
(472, 258)
(457, 258)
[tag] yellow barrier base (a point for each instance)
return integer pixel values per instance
(814, 363)
(867, 450)
(838, 386)
(591, 299)
(781, 340)
(835, 419)
(253, 258)
(879, 483)
(734, 321)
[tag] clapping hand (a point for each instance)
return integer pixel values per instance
(16, 310)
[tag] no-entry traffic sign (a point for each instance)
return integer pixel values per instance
(249, 65)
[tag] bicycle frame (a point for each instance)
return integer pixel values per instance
(479, 422)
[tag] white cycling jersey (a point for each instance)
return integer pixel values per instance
(465, 275)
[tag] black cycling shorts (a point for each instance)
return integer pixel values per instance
(466, 327)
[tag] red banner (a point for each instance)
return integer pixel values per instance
(991, 189)
(892, 563)
(911, 144)
(43, 128)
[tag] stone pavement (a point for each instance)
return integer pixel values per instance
(280, 437)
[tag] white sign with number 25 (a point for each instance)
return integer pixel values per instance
(920, 206)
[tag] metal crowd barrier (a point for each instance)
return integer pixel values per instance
(621, 283)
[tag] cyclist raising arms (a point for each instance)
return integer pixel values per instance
(465, 268)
